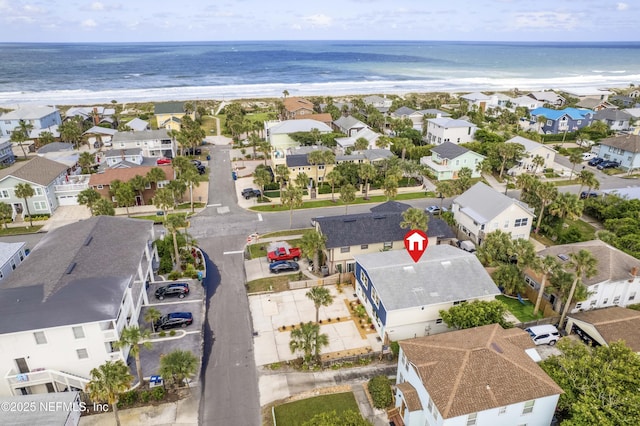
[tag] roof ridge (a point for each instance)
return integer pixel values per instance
(456, 384)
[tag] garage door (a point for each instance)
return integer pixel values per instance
(68, 200)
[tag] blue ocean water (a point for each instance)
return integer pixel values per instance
(100, 72)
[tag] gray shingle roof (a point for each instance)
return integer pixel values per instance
(45, 291)
(121, 152)
(28, 112)
(629, 143)
(449, 150)
(443, 274)
(55, 147)
(144, 135)
(612, 114)
(483, 203)
(403, 110)
(38, 170)
(376, 227)
(169, 108)
(8, 250)
(297, 160)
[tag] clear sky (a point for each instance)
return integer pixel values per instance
(220, 20)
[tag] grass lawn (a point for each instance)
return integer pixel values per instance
(208, 125)
(18, 230)
(524, 312)
(586, 229)
(542, 239)
(297, 412)
(329, 203)
(260, 249)
(156, 218)
(285, 233)
(566, 182)
(275, 283)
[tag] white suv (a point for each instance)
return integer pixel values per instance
(544, 334)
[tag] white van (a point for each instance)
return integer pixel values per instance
(544, 334)
(466, 245)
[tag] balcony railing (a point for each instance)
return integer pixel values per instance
(41, 376)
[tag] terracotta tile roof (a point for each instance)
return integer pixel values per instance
(126, 174)
(614, 323)
(325, 117)
(38, 170)
(411, 396)
(477, 369)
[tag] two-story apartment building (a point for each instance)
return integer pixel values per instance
(561, 120)
(440, 130)
(69, 302)
(404, 298)
(448, 158)
(625, 149)
(379, 230)
(43, 175)
(481, 376)
(152, 143)
(40, 117)
(481, 210)
(532, 149)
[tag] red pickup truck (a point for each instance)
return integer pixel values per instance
(283, 253)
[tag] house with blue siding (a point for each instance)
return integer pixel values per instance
(404, 298)
(40, 117)
(561, 120)
(624, 149)
(447, 159)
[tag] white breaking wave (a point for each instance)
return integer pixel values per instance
(274, 90)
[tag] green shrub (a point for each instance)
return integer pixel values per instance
(380, 390)
(158, 393)
(129, 398)
(174, 275)
(163, 333)
(395, 348)
(145, 396)
(272, 186)
(172, 333)
(166, 265)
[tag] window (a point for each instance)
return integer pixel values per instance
(578, 305)
(632, 296)
(405, 361)
(99, 186)
(439, 321)
(374, 297)
(472, 419)
(364, 246)
(457, 302)
(521, 222)
(605, 301)
(21, 253)
(40, 205)
(387, 246)
(345, 249)
(147, 185)
(13, 264)
(502, 410)
(41, 339)
(4, 193)
(506, 223)
(616, 300)
(592, 303)
(528, 407)
(364, 280)
(549, 123)
(37, 191)
(78, 332)
(82, 353)
(430, 404)
(162, 184)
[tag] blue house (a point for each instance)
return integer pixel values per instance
(39, 117)
(561, 120)
(404, 298)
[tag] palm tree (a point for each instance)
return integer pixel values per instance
(138, 184)
(585, 177)
(254, 142)
(537, 161)
(402, 144)
(347, 195)
(134, 337)
(361, 144)
(88, 197)
(567, 205)
(108, 382)
(151, 316)
(103, 207)
(302, 180)
(191, 178)
(6, 212)
(292, 198)
(585, 266)
(173, 223)
(45, 138)
(383, 142)
(414, 218)
(334, 178)
(328, 157)
(155, 175)
(164, 200)
(71, 131)
(366, 172)
(180, 165)
(282, 173)
(315, 135)
(546, 266)
(314, 158)
(546, 193)
(445, 189)
(312, 244)
(320, 296)
(124, 194)
(25, 191)
(85, 161)
(21, 134)
(179, 366)
(308, 339)
(262, 177)
(575, 158)
(390, 186)
(177, 189)
(541, 120)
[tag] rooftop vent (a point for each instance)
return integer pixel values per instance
(350, 219)
(445, 263)
(409, 269)
(70, 268)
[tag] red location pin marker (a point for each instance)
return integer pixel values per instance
(416, 243)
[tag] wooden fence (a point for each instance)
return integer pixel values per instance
(333, 280)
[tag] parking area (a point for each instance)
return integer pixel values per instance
(186, 339)
(259, 268)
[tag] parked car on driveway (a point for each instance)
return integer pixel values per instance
(544, 334)
(172, 290)
(283, 266)
(586, 156)
(435, 210)
(250, 192)
(163, 160)
(284, 253)
(174, 320)
(585, 194)
(595, 161)
(608, 165)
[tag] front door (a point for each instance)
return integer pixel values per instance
(17, 207)
(21, 363)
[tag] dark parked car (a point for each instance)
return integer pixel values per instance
(595, 161)
(250, 192)
(283, 266)
(608, 165)
(173, 290)
(193, 151)
(201, 169)
(174, 320)
(585, 194)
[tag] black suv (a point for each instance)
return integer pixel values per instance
(172, 290)
(595, 161)
(174, 320)
(250, 192)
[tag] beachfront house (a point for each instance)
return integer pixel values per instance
(39, 117)
(381, 103)
(137, 125)
(548, 97)
(404, 298)
(101, 182)
(68, 305)
(533, 149)
(625, 149)
(527, 102)
(483, 376)
(169, 115)
(561, 120)
(615, 119)
(297, 107)
(93, 115)
(481, 210)
(42, 175)
(595, 104)
(447, 159)
(278, 133)
(152, 143)
(583, 93)
(479, 100)
(440, 130)
(379, 230)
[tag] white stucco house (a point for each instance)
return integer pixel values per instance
(480, 376)
(440, 130)
(404, 298)
(532, 149)
(481, 210)
(152, 143)
(70, 300)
